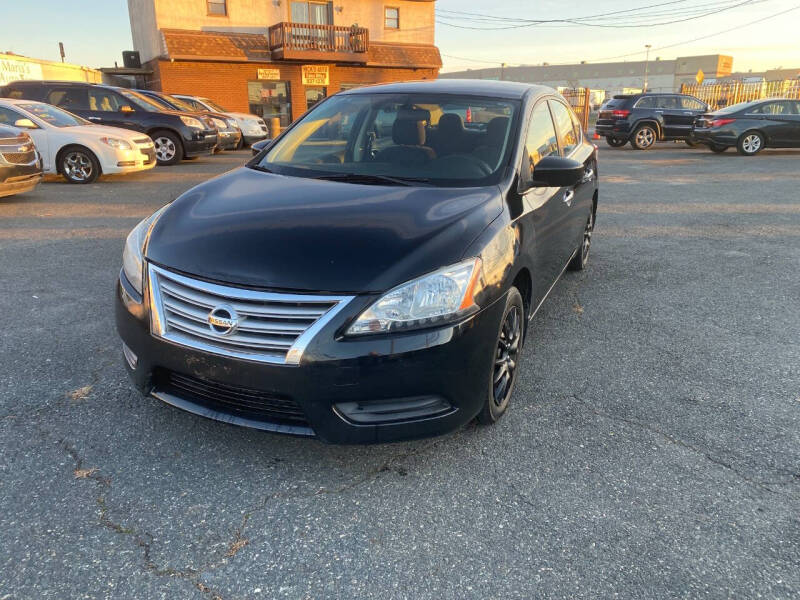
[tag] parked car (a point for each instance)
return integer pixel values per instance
(75, 148)
(253, 127)
(20, 164)
(176, 134)
(329, 289)
(751, 126)
(259, 146)
(644, 119)
(229, 136)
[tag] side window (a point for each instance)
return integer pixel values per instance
(667, 102)
(770, 108)
(692, 103)
(71, 98)
(540, 141)
(9, 116)
(794, 107)
(564, 128)
(646, 102)
(103, 100)
(576, 125)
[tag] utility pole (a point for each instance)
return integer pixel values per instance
(61, 50)
(502, 71)
(646, 62)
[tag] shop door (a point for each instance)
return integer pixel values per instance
(269, 99)
(314, 95)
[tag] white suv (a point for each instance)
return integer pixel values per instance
(253, 128)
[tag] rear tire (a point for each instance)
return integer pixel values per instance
(615, 142)
(505, 359)
(78, 165)
(690, 143)
(644, 137)
(169, 149)
(750, 143)
(717, 149)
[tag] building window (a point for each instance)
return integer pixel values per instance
(217, 8)
(391, 18)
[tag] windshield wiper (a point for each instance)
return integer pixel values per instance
(368, 178)
(260, 168)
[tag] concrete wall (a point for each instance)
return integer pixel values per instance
(255, 16)
(13, 67)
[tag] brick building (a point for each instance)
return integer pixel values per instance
(275, 58)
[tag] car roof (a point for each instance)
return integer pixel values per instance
(20, 101)
(466, 87)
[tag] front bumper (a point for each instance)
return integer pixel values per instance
(451, 364)
(229, 139)
(140, 158)
(18, 179)
(200, 143)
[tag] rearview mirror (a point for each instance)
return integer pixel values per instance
(25, 124)
(557, 171)
(125, 108)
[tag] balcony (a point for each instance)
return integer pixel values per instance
(303, 41)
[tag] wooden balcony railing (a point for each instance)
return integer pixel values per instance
(326, 42)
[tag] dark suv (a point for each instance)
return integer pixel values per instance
(176, 134)
(644, 119)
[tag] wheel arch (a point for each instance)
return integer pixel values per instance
(649, 121)
(153, 130)
(524, 283)
(761, 132)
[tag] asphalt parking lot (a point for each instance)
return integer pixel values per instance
(652, 449)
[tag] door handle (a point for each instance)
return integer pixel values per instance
(93, 118)
(588, 175)
(568, 196)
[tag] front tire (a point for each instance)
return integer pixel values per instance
(505, 359)
(615, 142)
(644, 137)
(750, 143)
(169, 149)
(79, 165)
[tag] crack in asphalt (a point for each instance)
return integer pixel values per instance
(764, 485)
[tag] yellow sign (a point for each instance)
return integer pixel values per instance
(316, 75)
(700, 76)
(269, 73)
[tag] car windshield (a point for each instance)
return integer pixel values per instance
(400, 139)
(179, 104)
(143, 102)
(52, 115)
(212, 105)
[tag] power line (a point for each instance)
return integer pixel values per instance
(703, 37)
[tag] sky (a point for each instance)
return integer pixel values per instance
(96, 32)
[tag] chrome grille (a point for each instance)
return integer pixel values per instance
(20, 158)
(270, 327)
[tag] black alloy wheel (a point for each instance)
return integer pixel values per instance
(615, 142)
(581, 258)
(505, 359)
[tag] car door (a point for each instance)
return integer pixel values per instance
(793, 123)
(692, 108)
(777, 122)
(544, 209)
(577, 199)
(671, 111)
(9, 116)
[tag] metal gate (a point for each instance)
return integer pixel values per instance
(580, 101)
(719, 95)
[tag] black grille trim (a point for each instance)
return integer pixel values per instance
(233, 400)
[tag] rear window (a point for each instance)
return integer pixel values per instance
(616, 103)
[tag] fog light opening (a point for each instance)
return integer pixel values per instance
(130, 356)
(393, 410)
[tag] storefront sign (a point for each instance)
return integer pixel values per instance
(14, 70)
(315, 75)
(269, 73)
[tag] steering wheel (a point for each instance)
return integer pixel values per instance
(460, 162)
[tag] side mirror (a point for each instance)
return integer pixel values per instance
(557, 171)
(25, 124)
(126, 109)
(260, 145)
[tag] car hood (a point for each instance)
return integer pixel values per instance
(270, 231)
(99, 131)
(242, 116)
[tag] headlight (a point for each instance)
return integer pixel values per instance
(132, 255)
(219, 123)
(192, 122)
(436, 298)
(116, 143)
(232, 123)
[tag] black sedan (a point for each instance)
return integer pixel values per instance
(20, 163)
(751, 126)
(371, 275)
